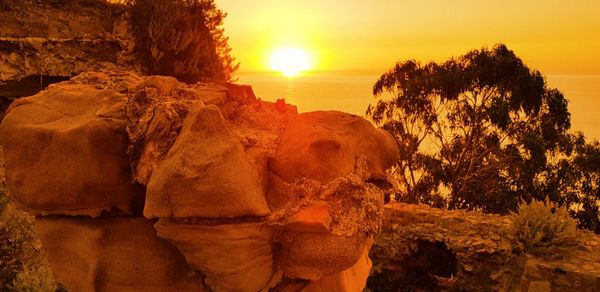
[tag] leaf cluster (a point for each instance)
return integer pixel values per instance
(182, 38)
(574, 180)
(542, 228)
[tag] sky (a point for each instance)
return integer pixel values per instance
(555, 37)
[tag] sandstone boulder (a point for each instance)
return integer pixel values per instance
(352, 279)
(115, 254)
(312, 256)
(233, 257)
(206, 173)
(325, 145)
(65, 152)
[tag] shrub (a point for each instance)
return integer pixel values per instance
(542, 228)
(23, 265)
(182, 38)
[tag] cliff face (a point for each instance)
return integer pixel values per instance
(431, 249)
(243, 195)
(42, 42)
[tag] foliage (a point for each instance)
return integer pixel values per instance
(574, 181)
(475, 132)
(542, 228)
(182, 38)
(23, 266)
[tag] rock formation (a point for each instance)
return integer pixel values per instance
(425, 248)
(244, 195)
(52, 40)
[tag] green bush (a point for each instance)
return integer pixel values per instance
(182, 38)
(23, 265)
(542, 228)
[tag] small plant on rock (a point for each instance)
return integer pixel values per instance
(542, 228)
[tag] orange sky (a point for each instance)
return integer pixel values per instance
(556, 37)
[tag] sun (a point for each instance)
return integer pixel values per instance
(290, 61)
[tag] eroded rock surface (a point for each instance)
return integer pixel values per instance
(113, 254)
(246, 203)
(431, 249)
(314, 142)
(206, 173)
(66, 152)
(50, 40)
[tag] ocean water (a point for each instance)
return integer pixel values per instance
(351, 91)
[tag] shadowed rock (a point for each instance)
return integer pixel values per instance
(65, 152)
(326, 145)
(115, 254)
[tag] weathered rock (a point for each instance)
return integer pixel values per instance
(313, 218)
(575, 270)
(312, 256)
(209, 154)
(326, 145)
(355, 208)
(206, 173)
(156, 110)
(116, 254)
(427, 248)
(352, 279)
(64, 151)
(46, 40)
(233, 257)
(259, 126)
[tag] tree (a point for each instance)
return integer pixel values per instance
(182, 38)
(574, 180)
(475, 132)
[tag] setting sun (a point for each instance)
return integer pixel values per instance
(290, 61)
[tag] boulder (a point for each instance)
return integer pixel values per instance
(65, 152)
(352, 279)
(206, 173)
(115, 254)
(233, 257)
(312, 256)
(324, 145)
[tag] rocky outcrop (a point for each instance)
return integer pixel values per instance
(113, 254)
(206, 173)
(431, 249)
(66, 152)
(217, 169)
(315, 141)
(48, 41)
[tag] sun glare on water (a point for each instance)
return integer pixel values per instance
(290, 61)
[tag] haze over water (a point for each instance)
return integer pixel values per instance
(351, 91)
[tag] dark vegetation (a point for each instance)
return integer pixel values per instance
(23, 264)
(182, 38)
(484, 132)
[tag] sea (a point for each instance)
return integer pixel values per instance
(351, 91)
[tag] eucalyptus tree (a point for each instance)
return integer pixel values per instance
(476, 132)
